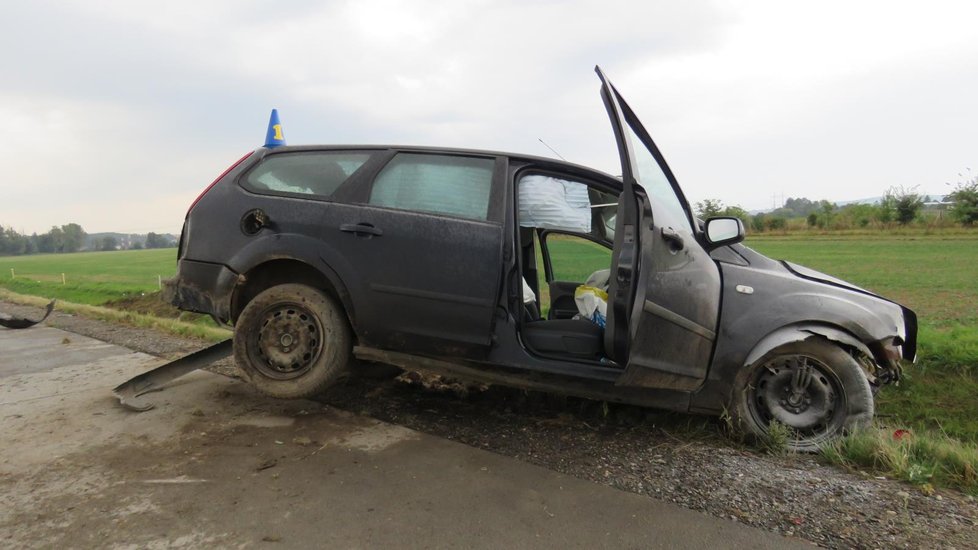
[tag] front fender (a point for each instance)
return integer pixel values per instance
(799, 333)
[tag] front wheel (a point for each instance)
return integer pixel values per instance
(292, 341)
(814, 388)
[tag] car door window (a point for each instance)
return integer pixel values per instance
(441, 184)
(318, 173)
(669, 210)
(575, 259)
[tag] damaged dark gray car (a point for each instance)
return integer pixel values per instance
(444, 259)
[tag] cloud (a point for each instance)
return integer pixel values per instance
(746, 99)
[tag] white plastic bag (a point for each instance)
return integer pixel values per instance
(592, 304)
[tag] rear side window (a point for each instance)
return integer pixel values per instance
(457, 186)
(314, 173)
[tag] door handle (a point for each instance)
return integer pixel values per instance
(674, 239)
(361, 229)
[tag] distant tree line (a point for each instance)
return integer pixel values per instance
(67, 238)
(898, 207)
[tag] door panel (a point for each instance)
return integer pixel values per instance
(426, 283)
(674, 305)
(675, 312)
(425, 251)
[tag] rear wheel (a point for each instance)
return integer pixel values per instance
(292, 341)
(814, 388)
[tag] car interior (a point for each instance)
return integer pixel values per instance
(566, 233)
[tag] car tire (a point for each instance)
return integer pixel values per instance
(292, 341)
(813, 387)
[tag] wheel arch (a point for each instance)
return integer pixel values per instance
(278, 271)
(797, 333)
(800, 332)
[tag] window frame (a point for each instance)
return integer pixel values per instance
(341, 194)
(575, 178)
(494, 210)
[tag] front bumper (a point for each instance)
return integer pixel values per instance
(910, 338)
(202, 287)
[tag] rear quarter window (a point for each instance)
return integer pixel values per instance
(316, 173)
(441, 184)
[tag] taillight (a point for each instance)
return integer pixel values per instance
(219, 178)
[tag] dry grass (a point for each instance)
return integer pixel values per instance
(172, 326)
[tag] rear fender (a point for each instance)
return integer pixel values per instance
(309, 251)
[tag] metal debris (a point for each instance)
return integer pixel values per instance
(154, 380)
(10, 321)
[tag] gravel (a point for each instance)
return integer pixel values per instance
(676, 458)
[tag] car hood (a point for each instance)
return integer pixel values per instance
(809, 273)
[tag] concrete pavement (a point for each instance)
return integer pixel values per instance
(216, 465)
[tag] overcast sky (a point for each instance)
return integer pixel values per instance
(116, 114)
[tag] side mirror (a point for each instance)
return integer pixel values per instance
(723, 231)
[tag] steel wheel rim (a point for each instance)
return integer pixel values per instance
(802, 393)
(288, 341)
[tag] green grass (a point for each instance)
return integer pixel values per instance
(922, 460)
(92, 278)
(576, 259)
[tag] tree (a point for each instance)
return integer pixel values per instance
(798, 208)
(858, 215)
(828, 212)
(710, 208)
(108, 243)
(886, 209)
(775, 223)
(13, 243)
(155, 241)
(737, 212)
(906, 203)
(965, 198)
(73, 237)
(758, 222)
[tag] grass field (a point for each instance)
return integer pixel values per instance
(92, 278)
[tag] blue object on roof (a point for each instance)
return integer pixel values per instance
(274, 137)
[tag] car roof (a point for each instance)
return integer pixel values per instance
(544, 162)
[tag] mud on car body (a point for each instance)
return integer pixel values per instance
(325, 258)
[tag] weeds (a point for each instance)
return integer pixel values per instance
(924, 459)
(777, 438)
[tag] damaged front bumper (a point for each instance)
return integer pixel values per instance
(202, 287)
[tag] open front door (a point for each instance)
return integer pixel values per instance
(664, 293)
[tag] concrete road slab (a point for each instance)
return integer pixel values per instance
(43, 348)
(216, 465)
